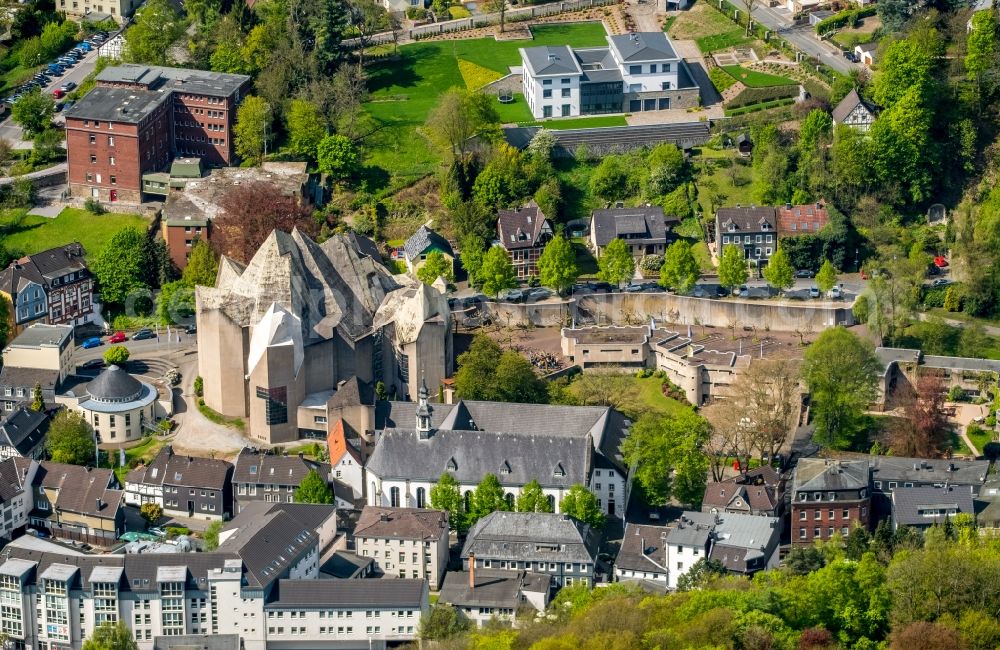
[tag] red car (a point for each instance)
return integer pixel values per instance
(118, 337)
(940, 262)
(58, 93)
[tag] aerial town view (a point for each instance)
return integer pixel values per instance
(499, 324)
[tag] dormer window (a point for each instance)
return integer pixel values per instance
(559, 471)
(452, 465)
(505, 468)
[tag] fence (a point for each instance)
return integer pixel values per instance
(464, 24)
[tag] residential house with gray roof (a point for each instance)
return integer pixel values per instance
(421, 244)
(759, 491)
(22, 433)
(541, 542)
(753, 228)
(41, 355)
(642, 556)
(76, 503)
(635, 72)
(523, 233)
(260, 476)
(186, 486)
(485, 595)
(890, 473)
(829, 496)
(558, 446)
(53, 286)
(16, 477)
(854, 111)
(926, 506)
(405, 542)
(643, 228)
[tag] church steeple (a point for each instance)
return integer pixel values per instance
(423, 411)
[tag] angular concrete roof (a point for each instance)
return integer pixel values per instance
(330, 286)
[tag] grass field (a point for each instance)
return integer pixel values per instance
(724, 41)
(655, 400)
(31, 234)
(144, 452)
(404, 91)
(700, 21)
(575, 177)
(755, 79)
(728, 181)
(979, 437)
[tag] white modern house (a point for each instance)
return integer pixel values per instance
(635, 72)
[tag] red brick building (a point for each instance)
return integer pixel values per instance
(139, 117)
(829, 496)
(802, 219)
(523, 233)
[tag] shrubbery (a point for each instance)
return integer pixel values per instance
(847, 18)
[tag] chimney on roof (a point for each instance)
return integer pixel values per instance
(472, 571)
(642, 544)
(301, 456)
(383, 516)
(99, 505)
(788, 206)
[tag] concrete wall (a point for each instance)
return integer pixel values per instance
(638, 308)
(222, 362)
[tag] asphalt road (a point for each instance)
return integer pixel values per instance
(803, 38)
(12, 132)
(165, 349)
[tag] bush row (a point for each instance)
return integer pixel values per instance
(753, 108)
(757, 95)
(846, 18)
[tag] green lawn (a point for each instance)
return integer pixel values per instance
(144, 452)
(31, 234)
(517, 112)
(755, 79)
(403, 91)
(575, 178)
(980, 438)
(724, 41)
(655, 400)
(704, 257)
(728, 181)
(595, 122)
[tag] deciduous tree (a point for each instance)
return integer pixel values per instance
(70, 439)
(826, 278)
(779, 272)
(33, 111)
(306, 127)
(124, 266)
(488, 497)
(313, 489)
(116, 355)
(579, 502)
(202, 265)
(616, 264)
(212, 535)
(680, 269)
(473, 252)
(37, 403)
(250, 212)
(841, 372)
(111, 636)
(435, 266)
(533, 499)
(660, 447)
(496, 274)
(485, 372)
(151, 512)
(557, 264)
(154, 29)
(252, 129)
(924, 433)
(458, 116)
(446, 495)
(338, 156)
(981, 45)
(733, 267)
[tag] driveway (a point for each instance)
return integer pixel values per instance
(195, 434)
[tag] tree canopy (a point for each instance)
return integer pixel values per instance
(111, 636)
(680, 269)
(202, 265)
(313, 489)
(486, 372)
(488, 497)
(70, 439)
(435, 266)
(579, 502)
(447, 496)
(841, 372)
(616, 264)
(779, 272)
(667, 453)
(252, 130)
(557, 264)
(532, 498)
(124, 267)
(496, 273)
(733, 267)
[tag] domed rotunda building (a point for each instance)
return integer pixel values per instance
(117, 405)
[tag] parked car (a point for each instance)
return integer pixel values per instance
(804, 273)
(93, 363)
(538, 293)
(699, 292)
(191, 329)
(512, 295)
(634, 288)
(68, 104)
(67, 87)
(744, 291)
(159, 532)
(940, 262)
(721, 291)
(941, 282)
(58, 93)
(836, 293)
(92, 342)
(813, 292)
(58, 108)
(118, 337)
(143, 334)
